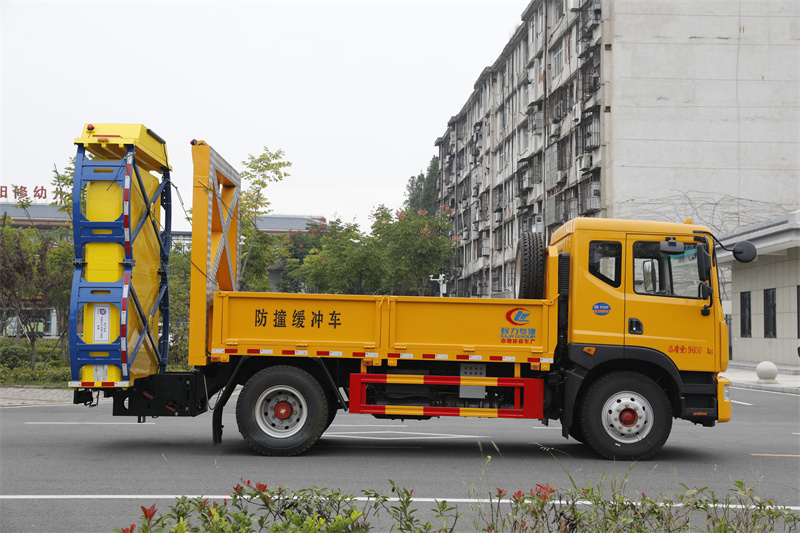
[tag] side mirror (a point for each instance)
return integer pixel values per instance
(744, 251)
(703, 262)
(647, 274)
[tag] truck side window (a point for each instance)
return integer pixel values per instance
(662, 274)
(605, 261)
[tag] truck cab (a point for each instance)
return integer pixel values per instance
(641, 306)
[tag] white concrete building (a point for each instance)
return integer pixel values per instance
(624, 109)
(766, 292)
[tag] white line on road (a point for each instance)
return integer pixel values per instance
(90, 423)
(741, 403)
(401, 435)
(369, 425)
(228, 496)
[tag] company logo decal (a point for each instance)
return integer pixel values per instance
(601, 309)
(518, 316)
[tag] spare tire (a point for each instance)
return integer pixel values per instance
(529, 278)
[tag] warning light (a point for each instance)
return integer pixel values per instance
(90, 127)
(589, 349)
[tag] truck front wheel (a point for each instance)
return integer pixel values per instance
(625, 415)
(282, 410)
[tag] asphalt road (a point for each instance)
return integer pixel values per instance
(70, 468)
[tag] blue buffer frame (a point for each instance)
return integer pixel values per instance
(120, 293)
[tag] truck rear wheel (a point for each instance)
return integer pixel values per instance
(529, 278)
(625, 415)
(282, 410)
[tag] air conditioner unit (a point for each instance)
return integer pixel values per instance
(574, 5)
(486, 251)
(560, 175)
(498, 216)
(576, 113)
(585, 161)
(555, 131)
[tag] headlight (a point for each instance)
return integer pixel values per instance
(726, 393)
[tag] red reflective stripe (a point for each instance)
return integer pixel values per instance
(250, 350)
(359, 354)
(231, 350)
(441, 411)
(323, 352)
(462, 357)
(394, 355)
(287, 352)
(428, 356)
(533, 359)
(495, 358)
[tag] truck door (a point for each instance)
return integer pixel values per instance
(663, 303)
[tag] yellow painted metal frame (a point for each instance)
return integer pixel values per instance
(215, 240)
(108, 142)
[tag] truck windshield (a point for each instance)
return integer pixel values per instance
(662, 274)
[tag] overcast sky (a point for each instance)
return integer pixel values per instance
(355, 93)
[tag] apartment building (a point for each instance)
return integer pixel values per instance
(623, 109)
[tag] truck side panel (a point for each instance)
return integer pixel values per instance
(470, 329)
(298, 324)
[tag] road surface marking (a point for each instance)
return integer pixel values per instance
(774, 455)
(370, 425)
(90, 423)
(741, 403)
(400, 435)
(357, 499)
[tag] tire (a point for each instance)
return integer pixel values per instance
(529, 279)
(626, 416)
(282, 410)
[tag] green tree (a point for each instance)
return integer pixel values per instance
(259, 250)
(415, 244)
(62, 182)
(29, 280)
(345, 262)
(180, 262)
(421, 193)
(57, 296)
(294, 248)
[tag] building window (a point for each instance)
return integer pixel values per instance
(558, 59)
(540, 19)
(744, 317)
(769, 314)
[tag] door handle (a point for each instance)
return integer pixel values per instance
(635, 326)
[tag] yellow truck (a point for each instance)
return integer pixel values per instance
(617, 328)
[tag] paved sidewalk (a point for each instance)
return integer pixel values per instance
(741, 374)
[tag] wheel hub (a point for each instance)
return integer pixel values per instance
(627, 417)
(283, 410)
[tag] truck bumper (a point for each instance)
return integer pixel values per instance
(723, 399)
